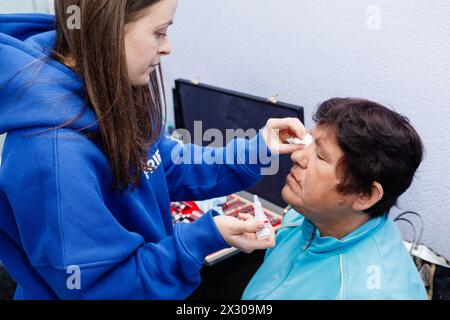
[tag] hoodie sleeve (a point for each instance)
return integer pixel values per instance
(76, 243)
(200, 173)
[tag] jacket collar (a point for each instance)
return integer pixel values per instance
(316, 244)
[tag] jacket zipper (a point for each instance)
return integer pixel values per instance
(341, 267)
(308, 244)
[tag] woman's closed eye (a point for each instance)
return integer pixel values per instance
(320, 157)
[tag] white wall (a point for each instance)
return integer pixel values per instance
(2, 140)
(309, 51)
(22, 6)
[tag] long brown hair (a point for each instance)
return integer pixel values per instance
(130, 118)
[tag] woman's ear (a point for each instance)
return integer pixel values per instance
(366, 201)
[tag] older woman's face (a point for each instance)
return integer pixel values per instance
(311, 185)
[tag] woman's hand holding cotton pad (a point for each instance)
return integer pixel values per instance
(277, 132)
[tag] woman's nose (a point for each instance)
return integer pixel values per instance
(301, 158)
(165, 48)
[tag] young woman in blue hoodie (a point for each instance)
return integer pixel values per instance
(87, 173)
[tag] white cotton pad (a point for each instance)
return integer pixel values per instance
(306, 142)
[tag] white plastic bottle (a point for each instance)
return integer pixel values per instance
(260, 216)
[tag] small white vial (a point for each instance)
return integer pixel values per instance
(260, 216)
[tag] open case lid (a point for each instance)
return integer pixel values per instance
(223, 109)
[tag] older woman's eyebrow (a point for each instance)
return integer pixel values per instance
(317, 141)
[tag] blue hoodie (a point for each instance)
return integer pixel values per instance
(370, 263)
(63, 233)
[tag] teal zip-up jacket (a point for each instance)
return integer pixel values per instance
(369, 263)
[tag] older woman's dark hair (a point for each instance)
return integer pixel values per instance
(378, 145)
